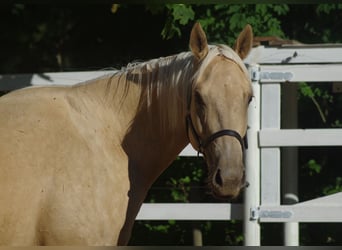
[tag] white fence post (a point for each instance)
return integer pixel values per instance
(270, 157)
(252, 193)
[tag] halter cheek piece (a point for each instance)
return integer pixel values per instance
(224, 132)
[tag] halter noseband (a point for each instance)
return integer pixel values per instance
(224, 132)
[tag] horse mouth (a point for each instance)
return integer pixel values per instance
(219, 196)
(228, 197)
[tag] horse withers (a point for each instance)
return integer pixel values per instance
(76, 162)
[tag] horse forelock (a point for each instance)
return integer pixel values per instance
(225, 51)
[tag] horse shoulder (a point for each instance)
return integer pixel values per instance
(59, 171)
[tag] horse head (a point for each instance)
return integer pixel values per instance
(217, 109)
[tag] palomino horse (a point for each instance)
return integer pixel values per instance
(76, 162)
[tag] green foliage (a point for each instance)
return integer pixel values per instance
(333, 188)
(179, 14)
(327, 8)
(224, 22)
(314, 167)
(162, 228)
(314, 93)
(306, 90)
(315, 23)
(326, 12)
(180, 188)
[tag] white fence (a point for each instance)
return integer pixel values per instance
(269, 67)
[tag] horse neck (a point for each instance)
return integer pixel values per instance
(140, 114)
(157, 133)
(150, 143)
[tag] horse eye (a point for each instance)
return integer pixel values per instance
(198, 99)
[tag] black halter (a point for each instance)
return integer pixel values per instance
(202, 144)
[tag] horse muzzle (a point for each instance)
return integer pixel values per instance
(227, 183)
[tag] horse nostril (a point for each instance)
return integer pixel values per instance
(218, 178)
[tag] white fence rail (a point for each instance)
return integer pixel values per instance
(190, 211)
(300, 137)
(270, 67)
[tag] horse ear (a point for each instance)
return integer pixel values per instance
(244, 42)
(198, 42)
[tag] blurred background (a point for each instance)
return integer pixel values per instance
(82, 37)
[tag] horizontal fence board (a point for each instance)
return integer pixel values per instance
(17, 81)
(190, 211)
(300, 137)
(295, 54)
